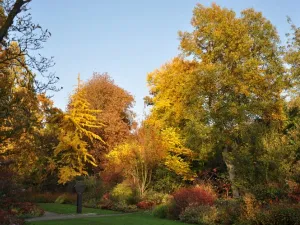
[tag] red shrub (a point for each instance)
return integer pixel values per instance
(195, 196)
(27, 208)
(106, 196)
(9, 218)
(106, 202)
(145, 205)
(10, 210)
(295, 194)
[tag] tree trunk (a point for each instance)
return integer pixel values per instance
(231, 172)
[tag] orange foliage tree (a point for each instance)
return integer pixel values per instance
(115, 112)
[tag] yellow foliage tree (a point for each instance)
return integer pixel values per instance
(230, 74)
(136, 159)
(75, 138)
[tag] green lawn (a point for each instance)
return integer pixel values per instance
(132, 219)
(129, 219)
(71, 209)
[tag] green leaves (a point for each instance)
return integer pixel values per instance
(230, 78)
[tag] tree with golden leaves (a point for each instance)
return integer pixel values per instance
(230, 75)
(76, 137)
(137, 159)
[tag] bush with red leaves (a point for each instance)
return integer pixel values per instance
(27, 209)
(295, 194)
(145, 205)
(11, 211)
(9, 217)
(20, 208)
(106, 202)
(193, 196)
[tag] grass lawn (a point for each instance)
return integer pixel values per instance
(71, 209)
(131, 219)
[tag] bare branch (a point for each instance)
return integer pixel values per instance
(10, 18)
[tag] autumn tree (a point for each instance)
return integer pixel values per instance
(115, 112)
(76, 137)
(44, 171)
(19, 38)
(138, 158)
(18, 99)
(292, 58)
(292, 129)
(231, 76)
(18, 27)
(23, 125)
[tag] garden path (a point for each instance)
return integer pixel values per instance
(56, 216)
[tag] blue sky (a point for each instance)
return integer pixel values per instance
(128, 39)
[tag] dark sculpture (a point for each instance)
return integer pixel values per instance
(79, 187)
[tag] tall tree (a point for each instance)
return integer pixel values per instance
(19, 38)
(292, 58)
(236, 77)
(24, 125)
(76, 137)
(115, 111)
(18, 99)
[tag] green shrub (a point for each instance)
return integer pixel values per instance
(61, 199)
(166, 181)
(161, 211)
(157, 197)
(279, 215)
(134, 198)
(66, 198)
(123, 207)
(90, 203)
(229, 211)
(46, 197)
(94, 189)
(201, 214)
(173, 210)
(122, 193)
(265, 193)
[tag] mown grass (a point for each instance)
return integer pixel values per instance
(139, 218)
(130, 219)
(71, 209)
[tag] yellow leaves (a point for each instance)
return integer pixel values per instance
(73, 149)
(170, 88)
(66, 174)
(152, 147)
(179, 166)
(178, 157)
(235, 77)
(125, 154)
(174, 143)
(82, 117)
